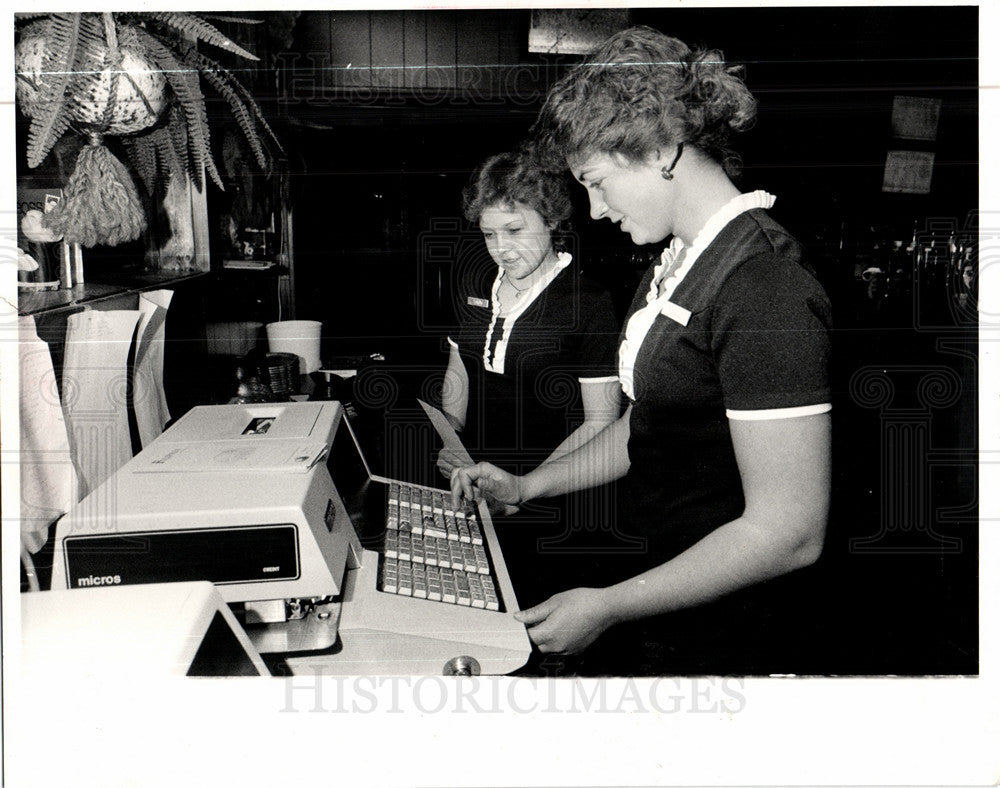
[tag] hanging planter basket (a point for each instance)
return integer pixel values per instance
(121, 92)
(122, 97)
(133, 75)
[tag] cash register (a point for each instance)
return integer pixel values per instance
(329, 567)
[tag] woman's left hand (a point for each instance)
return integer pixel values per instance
(568, 622)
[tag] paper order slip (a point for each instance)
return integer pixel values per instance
(447, 433)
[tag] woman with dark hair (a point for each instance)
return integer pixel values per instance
(724, 448)
(532, 371)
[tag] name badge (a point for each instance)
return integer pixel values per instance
(478, 302)
(676, 312)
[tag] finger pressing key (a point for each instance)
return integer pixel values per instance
(457, 489)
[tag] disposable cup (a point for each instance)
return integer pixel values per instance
(300, 337)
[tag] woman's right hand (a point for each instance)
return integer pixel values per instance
(485, 480)
(450, 460)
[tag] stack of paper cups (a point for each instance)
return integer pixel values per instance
(300, 337)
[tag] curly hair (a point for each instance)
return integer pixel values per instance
(508, 178)
(640, 91)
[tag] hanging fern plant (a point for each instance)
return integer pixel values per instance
(136, 75)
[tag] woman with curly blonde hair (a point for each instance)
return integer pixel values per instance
(724, 450)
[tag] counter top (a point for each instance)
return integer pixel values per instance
(33, 302)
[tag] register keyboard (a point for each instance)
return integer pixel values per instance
(433, 552)
(428, 588)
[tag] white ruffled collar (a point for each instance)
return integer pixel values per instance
(715, 224)
(658, 301)
(495, 362)
(563, 259)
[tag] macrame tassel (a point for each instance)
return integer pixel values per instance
(100, 204)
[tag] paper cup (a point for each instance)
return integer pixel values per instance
(300, 337)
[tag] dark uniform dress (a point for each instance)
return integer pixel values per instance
(746, 333)
(525, 374)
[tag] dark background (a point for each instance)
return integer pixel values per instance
(380, 162)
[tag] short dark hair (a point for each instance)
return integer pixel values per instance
(508, 178)
(640, 91)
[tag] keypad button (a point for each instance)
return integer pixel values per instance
(419, 582)
(443, 554)
(405, 585)
(482, 563)
(462, 589)
(490, 593)
(448, 591)
(430, 551)
(476, 591)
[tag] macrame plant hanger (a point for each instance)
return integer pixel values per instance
(75, 72)
(100, 203)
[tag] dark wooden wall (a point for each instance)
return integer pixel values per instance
(436, 50)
